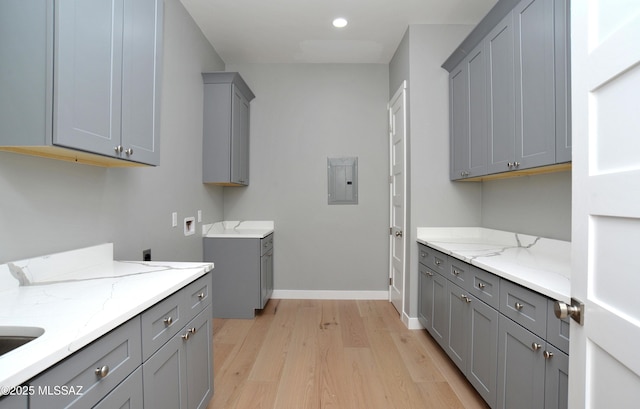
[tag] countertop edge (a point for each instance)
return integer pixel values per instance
(556, 293)
(33, 369)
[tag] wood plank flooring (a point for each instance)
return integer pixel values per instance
(313, 354)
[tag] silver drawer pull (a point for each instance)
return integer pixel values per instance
(464, 297)
(456, 272)
(535, 346)
(168, 321)
(185, 336)
(429, 273)
(519, 306)
(423, 255)
(548, 355)
(102, 372)
(438, 262)
(193, 330)
(201, 296)
(481, 286)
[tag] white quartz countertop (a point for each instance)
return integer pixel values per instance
(247, 229)
(538, 263)
(76, 297)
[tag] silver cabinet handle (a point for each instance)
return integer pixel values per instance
(516, 164)
(465, 298)
(548, 355)
(535, 346)
(185, 336)
(456, 272)
(519, 306)
(430, 273)
(118, 149)
(438, 262)
(193, 330)
(168, 321)
(102, 372)
(201, 296)
(481, 285)
(129, 151)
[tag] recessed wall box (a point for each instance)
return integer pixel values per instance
(342, 174)
(189, 225)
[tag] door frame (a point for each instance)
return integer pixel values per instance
(400, 93)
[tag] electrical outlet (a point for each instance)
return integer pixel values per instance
(146, 255)
(189, 226)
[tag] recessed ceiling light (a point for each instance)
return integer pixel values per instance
(340, 22)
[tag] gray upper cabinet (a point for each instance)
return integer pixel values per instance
(534, 78)
(500, 57)
(89, 81)
(226, 129)
(525, 115)
(468, 117)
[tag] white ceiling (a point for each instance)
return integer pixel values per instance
(300, 31)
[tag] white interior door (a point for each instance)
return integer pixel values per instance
(397, 196)
(604, 359)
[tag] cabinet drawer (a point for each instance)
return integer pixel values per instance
(161, 322)
(423, 253)
(126, 395)
(524, 306)
(119, 351)
(485, 286)
(198, 295)
(557, 329)
(438, 262)
(460, 273)
(266, 244)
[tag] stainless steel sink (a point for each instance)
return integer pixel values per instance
(13, 337)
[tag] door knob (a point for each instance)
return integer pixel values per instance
(399, 233)
(575, 310)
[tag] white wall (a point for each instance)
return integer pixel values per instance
(49, 206)
(302, 114)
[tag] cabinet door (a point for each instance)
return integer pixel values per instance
(556, 388)
(562, 42)
(266, 277)
(500, 92)
(521, 367)
(534, 79)
(425, 296)
(164, 377)
(458, 325)
(14, 402)
(459, 121)
(482, 364)
(240, 138)
(88, 75)
(199, 361)
(440, 322)
(127, 395)
(141, 79)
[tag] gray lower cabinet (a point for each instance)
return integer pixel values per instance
(179, 375)
(127, 395)
(94, 370)
(225, 148)
(84, 85)
(503, 337)
(162, 358)
(14, 402)
(473, 340)
(531, 372)
(243, 278)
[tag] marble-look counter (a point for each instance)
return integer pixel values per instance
(538, 263)
(247, 229)
(76, 297)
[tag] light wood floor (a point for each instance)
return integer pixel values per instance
(308, 354)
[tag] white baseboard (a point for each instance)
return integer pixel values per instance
(411, 323)
(329, 295)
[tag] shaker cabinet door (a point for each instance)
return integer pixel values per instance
(88, 75)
